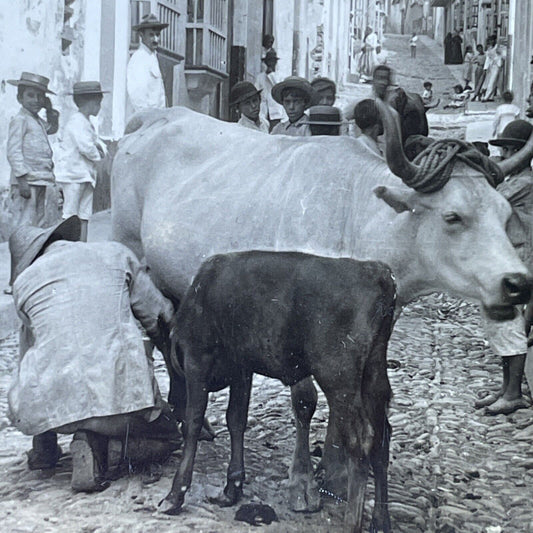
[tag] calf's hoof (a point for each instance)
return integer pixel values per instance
(172, 504)
(231, 494)
(303, 495)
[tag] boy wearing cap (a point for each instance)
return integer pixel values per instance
(28, 150)
(81, 149)
(326, 93)
(144, 79)
(247, 98)
(296, 95)
(324, 120)
(508, 339)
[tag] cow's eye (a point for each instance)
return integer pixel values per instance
(452, 218)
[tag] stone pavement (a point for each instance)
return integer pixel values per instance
(473, 123)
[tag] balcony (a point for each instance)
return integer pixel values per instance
(206, 43)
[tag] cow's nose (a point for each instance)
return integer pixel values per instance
(517, 288)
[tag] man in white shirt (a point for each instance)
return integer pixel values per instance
(144, 79)
(270, 109)
(247, 98)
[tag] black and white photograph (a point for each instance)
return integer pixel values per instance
(266, 265)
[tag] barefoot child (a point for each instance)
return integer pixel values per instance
(81, 149)
(28, 151)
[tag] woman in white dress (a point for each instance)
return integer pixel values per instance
(368, 59)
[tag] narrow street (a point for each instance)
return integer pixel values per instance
(452, 468)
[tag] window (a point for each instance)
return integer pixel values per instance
(168, 13)
(206, 34)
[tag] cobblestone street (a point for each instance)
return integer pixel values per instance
(452, 468)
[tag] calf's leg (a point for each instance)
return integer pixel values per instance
(197, 396)
(236, 418)
(303, 489)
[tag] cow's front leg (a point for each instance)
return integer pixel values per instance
(303, 489)
(236, 418)
(380, 463)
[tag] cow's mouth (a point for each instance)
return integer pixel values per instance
(500, 312)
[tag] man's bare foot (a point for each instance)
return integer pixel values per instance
(487, 400)
(506, 407)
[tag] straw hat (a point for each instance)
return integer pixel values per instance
(28, 79)
(516, 133)
(87, 87)
(292, 82)
(241, 91)
(325, 115)
(27, 242)
(149, 21)
(271, 54)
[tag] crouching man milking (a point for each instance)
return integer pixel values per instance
(83, 367)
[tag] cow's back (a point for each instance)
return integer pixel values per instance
(190, 186)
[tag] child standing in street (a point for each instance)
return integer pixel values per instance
(81, 149)
(505, 113)
(412, 45)
(28, 150)
(468, 66)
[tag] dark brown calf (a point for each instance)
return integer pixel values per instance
(289, 316)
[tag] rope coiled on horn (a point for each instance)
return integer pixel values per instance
(436, 163)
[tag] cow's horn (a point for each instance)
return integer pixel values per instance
(518, 160)
(396, 158)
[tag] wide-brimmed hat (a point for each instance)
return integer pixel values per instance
(292, 82)
(325, 115)
(241, 91)
(516, 133)
(27, 242)
(28, 79)
(271, 54)
(321, 84)
(87, 87)
(149, 21)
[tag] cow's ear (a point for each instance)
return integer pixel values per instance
(400, 200)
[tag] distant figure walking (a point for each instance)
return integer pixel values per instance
(456, 57)
(448, 48)
(368, 59)
(493, 65)
(412, 45)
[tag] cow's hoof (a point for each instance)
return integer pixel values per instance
(230, 496)
(303, 495)
(171, 505)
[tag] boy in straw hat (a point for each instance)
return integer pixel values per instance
(247, 98)
(28, 150)
(83, 367)
(296, 95)
(80, 150)
(144, 80)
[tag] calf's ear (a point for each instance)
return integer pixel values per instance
(400, 200)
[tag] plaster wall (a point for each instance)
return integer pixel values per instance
(30, 40)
